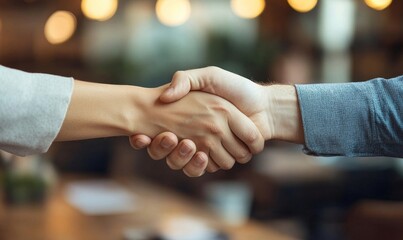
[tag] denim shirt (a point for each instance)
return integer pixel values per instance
(353, 119)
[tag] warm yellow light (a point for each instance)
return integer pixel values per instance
(60, 27)
(248, 8)
(173, 12)
(302, 5)
(100, 10)
(378, 4)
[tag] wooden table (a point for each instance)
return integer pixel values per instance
(57, 220)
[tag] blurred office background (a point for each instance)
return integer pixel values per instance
(143, 42)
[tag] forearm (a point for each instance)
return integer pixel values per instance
(101, 110)
(353, 119)
(349, 119)
(105, 110)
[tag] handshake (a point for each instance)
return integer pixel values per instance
(208, 119)
(205, 120)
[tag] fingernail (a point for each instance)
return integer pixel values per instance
(184, 150)
(140, 144)
(166, 143)
(199, 161)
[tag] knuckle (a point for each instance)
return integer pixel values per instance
(222, 108)
(208, 144)
(178, 74)
(251, 137)
(214, 129)
(213, 69)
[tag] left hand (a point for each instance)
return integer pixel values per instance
(247, 96)
(211, 123)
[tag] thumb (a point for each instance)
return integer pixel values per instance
(179, 87)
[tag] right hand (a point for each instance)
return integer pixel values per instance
(247, 96)
(214, 125)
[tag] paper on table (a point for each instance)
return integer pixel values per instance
(100, 197)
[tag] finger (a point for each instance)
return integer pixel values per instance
(196, 167)
(238, 150)
(139, 141)
(246, 131)
(179, 87)
(209, 79)
(212, 167)
(181, 155)
(222, 158)
(162, 145)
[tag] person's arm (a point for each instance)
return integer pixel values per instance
(100, 110)
(256, 101)
(215, 126)
(349, 119)
(37, 109)
(32, 109)
(353, 119)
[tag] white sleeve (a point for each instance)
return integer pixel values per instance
(32, 109)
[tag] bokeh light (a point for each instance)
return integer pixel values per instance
(173, 12)
(248, 8)
(302, 5)
(378, 4)
(60, 26)
(100, 10)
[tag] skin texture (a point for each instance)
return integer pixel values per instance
(274, 109)
(210, 124)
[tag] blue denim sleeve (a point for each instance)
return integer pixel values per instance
(353, 119)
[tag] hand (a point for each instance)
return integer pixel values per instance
(212, 123)
(274, 109)
(243, 93)
(250, 98)
(165, 145)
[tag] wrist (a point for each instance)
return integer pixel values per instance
(143, 114)
(98, 110)
(127, 101)
(284, 113)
